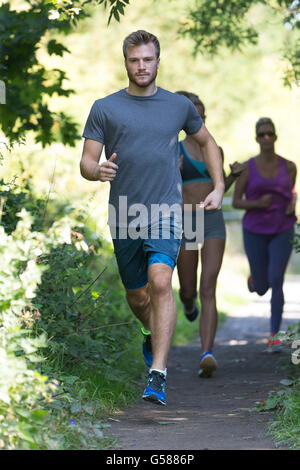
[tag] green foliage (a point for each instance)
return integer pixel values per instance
(116, 8)
(12, 197)
(297, 239)
(81, 298)
(284, 429)
(71, 305)
(215, 24)
(72, 9)
(28, 83)
(63, 340)
(27, 42)
(21, 387)
(292, 68)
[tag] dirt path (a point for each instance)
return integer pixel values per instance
(215, 413)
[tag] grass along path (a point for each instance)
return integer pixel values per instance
(216, 413)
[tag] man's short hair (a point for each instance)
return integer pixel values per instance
(141, 37)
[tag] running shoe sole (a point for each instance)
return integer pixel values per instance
(207, 366)
(154, 399)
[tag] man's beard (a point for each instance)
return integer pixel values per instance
(144, 84)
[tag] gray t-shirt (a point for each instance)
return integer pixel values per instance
(143, 131)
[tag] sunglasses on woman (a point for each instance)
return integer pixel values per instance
(269, 134)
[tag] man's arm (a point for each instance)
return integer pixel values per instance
(89, 164)
(213, 160)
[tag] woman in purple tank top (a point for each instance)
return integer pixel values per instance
(268, 223)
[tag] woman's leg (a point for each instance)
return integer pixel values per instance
(256, 248)
(280, 249)
(211, 261)
(187, 264)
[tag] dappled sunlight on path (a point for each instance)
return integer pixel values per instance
(251, 321)
(218, 413)
(215, 413)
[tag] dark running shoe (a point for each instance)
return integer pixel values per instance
(192, 316)
(250, 284)
(147, 347)
(155, 389)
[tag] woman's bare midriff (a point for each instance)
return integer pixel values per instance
(194, 193)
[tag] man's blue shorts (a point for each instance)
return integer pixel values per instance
(135, 255)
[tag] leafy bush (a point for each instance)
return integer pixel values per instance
(285, 427)
(63, 323)
(13, 198)
(76, 309)
(297, 239)
(21, 387)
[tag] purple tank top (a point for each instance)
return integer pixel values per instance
(272, 219)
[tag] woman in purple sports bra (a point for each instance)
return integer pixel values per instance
(268, 223)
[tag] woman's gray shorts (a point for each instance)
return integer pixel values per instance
(214, 226)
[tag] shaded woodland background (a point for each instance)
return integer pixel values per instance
(65, 328)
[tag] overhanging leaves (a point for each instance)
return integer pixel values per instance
(213, 24)
(28, 84)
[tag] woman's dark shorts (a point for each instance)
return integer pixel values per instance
(214, 226)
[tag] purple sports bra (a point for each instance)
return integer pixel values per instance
(272, 219)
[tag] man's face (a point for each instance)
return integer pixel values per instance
(141, 64)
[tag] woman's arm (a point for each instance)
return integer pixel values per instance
(239, 202)
(236, 170)
(211, 157)
(292, 170)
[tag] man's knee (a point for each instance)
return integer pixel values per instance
(160, 284)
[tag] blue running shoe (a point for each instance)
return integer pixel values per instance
(208, 364)
(193, 315)
(155, 390)
(147, 347)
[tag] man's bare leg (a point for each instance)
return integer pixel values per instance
(139, 302)
(154, 305)
(163, 313)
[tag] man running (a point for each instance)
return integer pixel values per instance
(139, 128)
